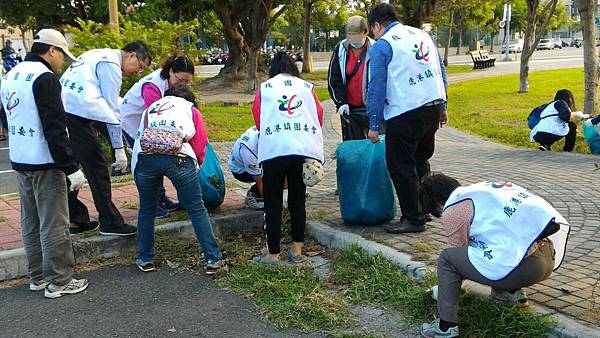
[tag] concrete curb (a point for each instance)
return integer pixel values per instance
(337, 239)
(13, 263)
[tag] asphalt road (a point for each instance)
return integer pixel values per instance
(124, 302)
(569, 57)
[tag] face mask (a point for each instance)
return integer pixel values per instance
(358, 45)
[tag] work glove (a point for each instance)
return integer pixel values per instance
(76, 180)
(434, 292)
(120, 164)
(344, 110)
(580, 115)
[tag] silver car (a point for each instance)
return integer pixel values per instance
(546, 44)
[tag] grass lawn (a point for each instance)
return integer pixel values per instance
(452, 69)
(317, 75)
(226, 123)
(493, 109)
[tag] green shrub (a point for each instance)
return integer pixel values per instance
(163, 38)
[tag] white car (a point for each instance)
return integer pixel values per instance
(546, 44)
(514, 46)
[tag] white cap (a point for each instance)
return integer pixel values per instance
(54, 38)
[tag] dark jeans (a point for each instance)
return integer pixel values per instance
(409, 144)
(547, 139)
(274, 174)
(163, 191)
(149, 173)
(356, 125)
(83, 135)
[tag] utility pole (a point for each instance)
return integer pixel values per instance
(113, 14)
(506, 20)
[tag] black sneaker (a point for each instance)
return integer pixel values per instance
(81, 228)
(168, 205)
(402, 227)
(544, 147)
(124, 230)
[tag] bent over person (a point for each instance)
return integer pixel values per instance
(41, 155)
(499, 234)
(91, 88)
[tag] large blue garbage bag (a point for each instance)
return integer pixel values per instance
(211, 179)
(365, 189)
(590, 132)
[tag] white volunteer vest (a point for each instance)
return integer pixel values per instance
(27, 142)
(81, 88)
(289, 124)
(550, 123)
(507, 220)
(249, 140)
(132, 106)
(414, 75)
(171, 113)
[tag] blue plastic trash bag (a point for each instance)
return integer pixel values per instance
(365, 189)
(590, 132)
(211, 179)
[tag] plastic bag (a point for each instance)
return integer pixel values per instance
(590, 132)
(366, 193)
(212, 181)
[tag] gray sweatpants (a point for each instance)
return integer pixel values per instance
(45, 225)
(454, 266)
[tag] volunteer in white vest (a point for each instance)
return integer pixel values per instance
(91, 88)
(499, 234)
(174, 113)
(555, 122)
(406, 89)
(41, 155)
(347, 78)
(243, 164)
(175, 71)
(289, 116)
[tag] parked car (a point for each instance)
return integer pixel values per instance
(546, 44)
(558, 43)
(514, 46)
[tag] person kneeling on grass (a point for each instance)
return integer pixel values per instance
(171, 142)
(243, 163)
(554, 122)
(499, 235)
(290, 118)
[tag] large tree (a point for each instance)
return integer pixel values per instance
(587, 12)
(533, 34)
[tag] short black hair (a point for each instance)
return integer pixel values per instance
(177, 64)
(183, 92)
(140, 49)
(39, 48)
(436, 190)
(567, 96)
(283, 63)
(382, 13)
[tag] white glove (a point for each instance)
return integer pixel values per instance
(588, 123)
(344, 110)
(434, 292)
(581, 115)
(120, 164)
(77, 180)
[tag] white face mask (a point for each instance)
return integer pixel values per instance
(358, 45)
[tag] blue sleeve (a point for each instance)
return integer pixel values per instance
(110, 79)
(445, 79)
(381, 55)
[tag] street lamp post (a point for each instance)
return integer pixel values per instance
(113, 14)
(507, 17)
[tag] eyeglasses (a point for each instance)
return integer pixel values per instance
(181, 80)
(141, 65)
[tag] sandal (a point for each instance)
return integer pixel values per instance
(295, 259)
(518, 298)
(266, 260)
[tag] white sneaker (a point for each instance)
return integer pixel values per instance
(254, 202)
(73, 287)
(432, 330)
(38, 286)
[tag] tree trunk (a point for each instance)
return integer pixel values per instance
(236, 64)
(23, 31)
(587, 10)
(448, 39)
(492, 44)
(307, 63)
(460, 37)
(252, 69)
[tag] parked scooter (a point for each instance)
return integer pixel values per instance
(9, 62)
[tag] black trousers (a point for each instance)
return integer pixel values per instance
(356, 125)
(274, 174)
(409, 144)
(547, 139)
(85, 142)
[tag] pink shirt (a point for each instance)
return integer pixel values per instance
(200, 139)
(150, 93)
